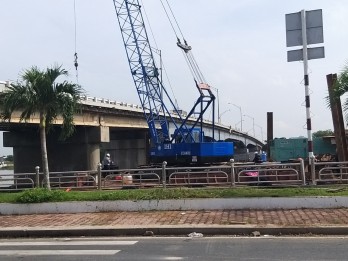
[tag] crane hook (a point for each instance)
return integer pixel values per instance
(75, 61)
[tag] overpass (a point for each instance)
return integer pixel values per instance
(103, 125)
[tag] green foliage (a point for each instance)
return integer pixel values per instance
(38, 92)
(40, 195)
(322, 133)
(340, 87)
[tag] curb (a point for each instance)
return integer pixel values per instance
(169, 231)
(265, 203)
(176, 230)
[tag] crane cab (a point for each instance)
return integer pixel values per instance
(190, 148)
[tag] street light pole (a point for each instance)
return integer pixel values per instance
(219, 115)
(261, 131)
(253, 123)
(218, 101)
(241, 121)
(219, 119)
(235, 125)
(241, 115)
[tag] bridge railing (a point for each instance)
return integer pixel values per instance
(17, 181)
(229, 175)
(130, 178)
(270, 173)
(330, 173)
(90, 100)
(104, 101)
(203, 177)
(72, 179)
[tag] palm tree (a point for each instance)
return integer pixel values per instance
(341, 87)
(39, 93)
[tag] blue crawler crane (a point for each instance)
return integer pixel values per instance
(186, 145)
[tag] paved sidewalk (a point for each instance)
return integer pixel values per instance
(299, 221)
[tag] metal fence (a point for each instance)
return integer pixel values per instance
(228, 175)
(329, 173)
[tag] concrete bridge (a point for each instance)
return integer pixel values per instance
(103, 125)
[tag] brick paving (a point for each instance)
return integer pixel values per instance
(261, 218)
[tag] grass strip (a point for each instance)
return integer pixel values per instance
(43, 195)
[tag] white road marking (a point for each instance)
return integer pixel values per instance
(62, 243)
(67, 243)
(57, 252)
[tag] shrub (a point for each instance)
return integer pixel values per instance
(40, 195)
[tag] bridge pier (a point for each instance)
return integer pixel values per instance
(93, 156)
(128, 147)
(79, 152)
(83, 151)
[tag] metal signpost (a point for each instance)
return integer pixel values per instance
(305, 28)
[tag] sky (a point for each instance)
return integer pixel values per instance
(240, 47)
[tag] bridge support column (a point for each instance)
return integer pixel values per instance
(128, 148)
(80, 152)
(93, 156)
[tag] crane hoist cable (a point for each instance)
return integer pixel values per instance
(186, 49)
(170, 20)
(75, 54)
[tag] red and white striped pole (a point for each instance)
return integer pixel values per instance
(306, 84)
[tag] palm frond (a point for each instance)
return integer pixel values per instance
(340, 87)
(38, 92)
(54, 72)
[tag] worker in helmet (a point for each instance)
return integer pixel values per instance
(257, 158)
(107, 162)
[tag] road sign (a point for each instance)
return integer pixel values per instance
(313, 53)
(314, 28)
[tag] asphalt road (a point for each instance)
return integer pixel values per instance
(176, 248)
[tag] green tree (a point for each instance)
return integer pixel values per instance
(341, 87)
(38, 92)
(322, 133)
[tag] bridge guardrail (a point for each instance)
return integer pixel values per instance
(330, 172)
(17, 181)
(130, 178)
(203, 177)
(73, 179)
(228, 175)
(270, 173)
(90, 100)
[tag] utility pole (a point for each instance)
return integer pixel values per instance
(269, 132)
(302, 29)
